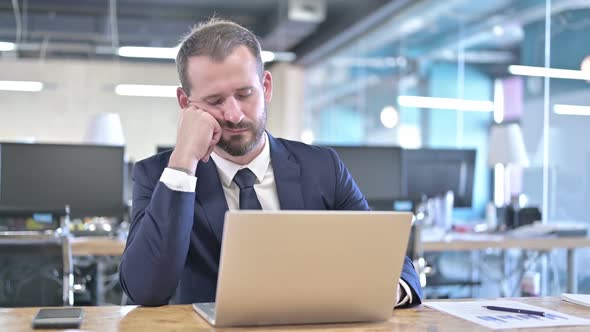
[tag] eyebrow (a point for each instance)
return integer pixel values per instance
(220, 96)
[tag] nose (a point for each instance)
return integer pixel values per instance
(232, 111)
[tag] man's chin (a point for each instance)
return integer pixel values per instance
(235, 140)
(238, 144)
(235, 147)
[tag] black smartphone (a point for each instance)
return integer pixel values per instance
(58, 318)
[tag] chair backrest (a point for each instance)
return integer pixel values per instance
(35, 266)
(35, 270)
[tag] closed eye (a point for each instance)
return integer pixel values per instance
(214, 102)
(244, 93)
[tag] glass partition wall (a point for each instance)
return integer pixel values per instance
(509, 78)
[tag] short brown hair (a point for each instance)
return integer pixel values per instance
(217, 39)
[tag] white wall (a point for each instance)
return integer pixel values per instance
(286, 109)
(76, 89)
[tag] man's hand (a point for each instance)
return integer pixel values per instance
(198, 133)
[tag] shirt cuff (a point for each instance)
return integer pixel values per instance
(178, 180)
(409, 297)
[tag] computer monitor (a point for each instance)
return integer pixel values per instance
(88, 178)
(128, 183)
(376, 170)
(432, 172)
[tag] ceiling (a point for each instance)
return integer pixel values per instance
(95, 28)
(487, 35)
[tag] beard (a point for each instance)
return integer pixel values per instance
(240, 145)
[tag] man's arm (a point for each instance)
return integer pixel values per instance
(410, 277)
(163, 211)
(158, 240)
(349, 197)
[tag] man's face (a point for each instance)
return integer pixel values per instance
(234, 94)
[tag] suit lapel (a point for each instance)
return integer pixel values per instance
(287, 174)
(210, 194)
(211, 197)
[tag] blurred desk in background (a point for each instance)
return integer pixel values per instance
(105, 253)
(97, 246)
(462, 242)
(105, 246)
(478, 241)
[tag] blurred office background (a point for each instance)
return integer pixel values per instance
(489, 100)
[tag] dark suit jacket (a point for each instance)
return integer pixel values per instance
(175, 237)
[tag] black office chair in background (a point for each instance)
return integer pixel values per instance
(427, 268)
(35, 265)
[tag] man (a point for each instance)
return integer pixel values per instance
(223, 159)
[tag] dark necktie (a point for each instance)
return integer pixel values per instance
(245, 180)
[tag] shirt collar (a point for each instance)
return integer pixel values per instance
(228, 169)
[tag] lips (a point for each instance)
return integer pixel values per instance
(235, 131)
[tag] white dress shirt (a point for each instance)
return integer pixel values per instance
(265, 187)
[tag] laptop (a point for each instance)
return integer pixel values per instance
(308, 267)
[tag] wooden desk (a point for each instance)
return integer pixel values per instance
(97, 246)
(482, 241)
(477, 242)
(103, 246)
(183, 318)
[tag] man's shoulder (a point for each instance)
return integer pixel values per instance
(155, 163)
(297, 147)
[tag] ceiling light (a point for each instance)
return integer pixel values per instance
(409, 136)
(549, 72)
(148, 52)
(28, 86)
(267, 56)
(389, 117)
(498, 30)
(4, 46)
(585, 66)
(171, 52)
(446, 103)
(562, 109)
(412, 25)
(144, 90)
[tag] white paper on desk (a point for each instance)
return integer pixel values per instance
(475, 312)
(579, 299)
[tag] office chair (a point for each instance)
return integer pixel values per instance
(428, 274)
(36, 270)
(35, 267)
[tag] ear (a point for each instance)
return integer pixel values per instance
(182, 98)
(267, 86)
